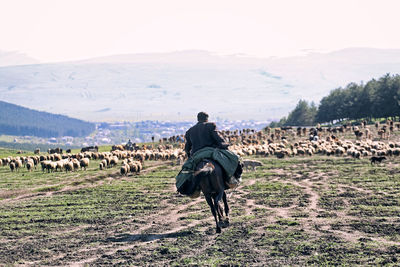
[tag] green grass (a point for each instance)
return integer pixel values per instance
(68, 217)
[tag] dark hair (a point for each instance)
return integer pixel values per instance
(202, 116)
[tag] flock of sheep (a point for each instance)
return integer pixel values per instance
(48, 163)
(131, 161)
(280, 142)
(287, 141)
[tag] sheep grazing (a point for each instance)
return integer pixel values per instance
(49, 166)
(117, 147)
(44, 163)
(180, 160)
(135, 166)
(113, 161)
(18, 164)
(139, 166)
(37, 151)
(29, 166)
(104, 163)
(76, 164)
(69, 166)
(84, 163)
(59, 165)
(12, 166)
(125, 168)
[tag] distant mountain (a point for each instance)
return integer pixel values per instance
(175, 86)
(20, 121)
(15, 58)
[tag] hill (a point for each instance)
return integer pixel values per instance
(13, 58)
(17, 120)
(175, 86)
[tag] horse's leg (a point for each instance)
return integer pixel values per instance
(226, 207)
(210, 203)
(217, 207)
(220, 213)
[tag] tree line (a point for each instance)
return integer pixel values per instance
(20, 121)
(375, 99)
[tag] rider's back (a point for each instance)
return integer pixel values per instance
(201, 135)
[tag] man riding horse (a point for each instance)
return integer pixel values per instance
(204, 142)
(203, 134)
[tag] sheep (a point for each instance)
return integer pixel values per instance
(113, 161)
(139, 166)
(84, 163)
(29, 166)
(117, 147)
(180, 160)
(12, 166)
(59, 165)
(50, 166)
(125, 168)
(104, 163)
(18, 164)
(69, 166)
(44, 163)
(76, 164)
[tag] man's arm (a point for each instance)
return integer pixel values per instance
(219, 140)
(188, 145)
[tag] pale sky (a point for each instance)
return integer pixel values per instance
(59, 30)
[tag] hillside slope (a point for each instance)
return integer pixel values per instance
(175, 86)
(12, 58)
(17, 120)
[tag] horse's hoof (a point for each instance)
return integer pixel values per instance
(218, 230)
(226, 222)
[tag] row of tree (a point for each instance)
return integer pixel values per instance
(17, 120)
(375, 99)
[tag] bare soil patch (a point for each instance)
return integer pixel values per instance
(288, 212)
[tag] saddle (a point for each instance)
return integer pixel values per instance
(186, 183)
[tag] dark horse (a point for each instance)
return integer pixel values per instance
(211, 181)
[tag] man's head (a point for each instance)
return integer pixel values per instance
(202, 117)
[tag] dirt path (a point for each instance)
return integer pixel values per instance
(162, 224)
(170, 220)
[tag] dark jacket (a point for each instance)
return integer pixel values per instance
(203, 134)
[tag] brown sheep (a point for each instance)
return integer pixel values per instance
(132, 167)
(18, 164)
(29, 166)
(105, 164)
(125, 169)
(59, 165)
(113, 161)
(84, 163)
(69, 166)
(12, 166)
(76, 164)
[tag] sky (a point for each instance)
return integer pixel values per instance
(63, 30)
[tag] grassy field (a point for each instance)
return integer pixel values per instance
(293, 211)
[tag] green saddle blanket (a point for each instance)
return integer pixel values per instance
(227, 159)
